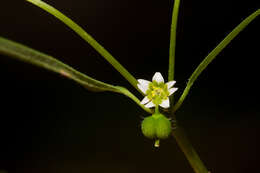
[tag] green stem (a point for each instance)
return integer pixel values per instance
(212, 55)
(172, 49)
(189, 151)
(88, 38)
(157, 109)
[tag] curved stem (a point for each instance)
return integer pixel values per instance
(88, 38)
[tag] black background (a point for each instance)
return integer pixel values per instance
(50, 124)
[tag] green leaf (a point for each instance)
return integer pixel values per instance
(88, 38)
(212, 55)
(23, 53)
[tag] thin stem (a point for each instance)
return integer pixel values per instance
(157, 109)
(88, 38)
(172, 49)
(189, 151)
(212, 55)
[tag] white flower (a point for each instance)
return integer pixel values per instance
(157, 92)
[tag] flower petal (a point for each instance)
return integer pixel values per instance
(158, 77)
(145, 100)
(142, 88)
(172, 90)
(170, 84)
(150, 105)
(165, 103)
(144, 83)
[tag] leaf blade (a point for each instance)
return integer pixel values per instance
(212, 55)
(26, 54)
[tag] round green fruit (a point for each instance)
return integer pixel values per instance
(163, 127)
(149, 127)
(156, 126)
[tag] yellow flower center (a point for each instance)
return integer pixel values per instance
(156, 91)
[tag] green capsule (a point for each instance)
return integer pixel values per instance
(163, 127)
(149, 127)
(156, 126)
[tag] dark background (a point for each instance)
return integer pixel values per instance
(50, 124)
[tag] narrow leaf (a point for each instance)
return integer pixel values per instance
(23, 53)
(212, 55)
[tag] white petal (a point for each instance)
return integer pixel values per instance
(142, 88)
(144, 83)
(150, 105)
(172, 90)
(158, 77)
(170, 84)
(165, 103)
(145, 100)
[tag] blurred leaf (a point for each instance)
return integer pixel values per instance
(3, 171)
(23, 53)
